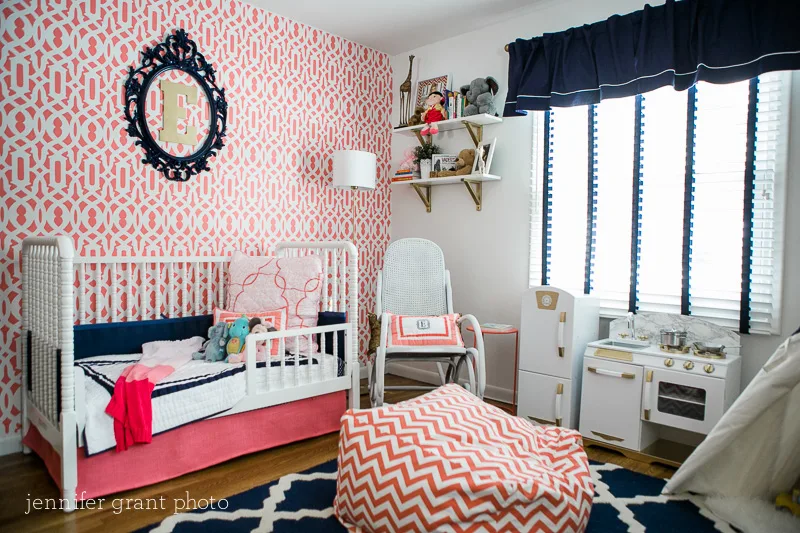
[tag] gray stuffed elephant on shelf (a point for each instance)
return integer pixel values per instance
(480, 96)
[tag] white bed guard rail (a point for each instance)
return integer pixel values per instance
(60, 290)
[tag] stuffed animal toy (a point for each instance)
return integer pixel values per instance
(408, 161)
(416, 118)
(480, 96)
(256, 325)
(466, 158)
(434, 112)
(237, 332)
(214, 348)
(374, 333)
(261, 349)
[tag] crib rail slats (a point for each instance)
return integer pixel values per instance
(82, 293)
(114, 294)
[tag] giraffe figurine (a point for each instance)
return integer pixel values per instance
(405, 96)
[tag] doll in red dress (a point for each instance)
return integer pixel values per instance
(434, 112)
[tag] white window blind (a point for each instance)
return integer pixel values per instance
(664, 164)
(613, 155)
(769, 201)
(644, 202)
(568, 170)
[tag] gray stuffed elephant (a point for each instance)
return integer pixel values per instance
(480, 95)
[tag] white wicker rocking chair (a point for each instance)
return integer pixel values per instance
(414, 282)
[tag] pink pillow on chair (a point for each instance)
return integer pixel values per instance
(424, 330)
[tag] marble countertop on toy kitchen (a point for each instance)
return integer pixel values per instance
(650, 324)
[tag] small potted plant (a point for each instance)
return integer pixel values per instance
(423, 155)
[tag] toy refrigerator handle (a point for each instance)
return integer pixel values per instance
(562, 319)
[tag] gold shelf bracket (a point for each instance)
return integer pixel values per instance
(475, 131)
(424, 196)
(476, 193)
(420, 138)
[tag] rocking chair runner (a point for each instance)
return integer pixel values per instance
(414, 282)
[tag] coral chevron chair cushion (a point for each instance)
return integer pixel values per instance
(447, 461)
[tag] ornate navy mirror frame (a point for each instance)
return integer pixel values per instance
(176, 52)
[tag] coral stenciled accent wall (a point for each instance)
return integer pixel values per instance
(295, 94)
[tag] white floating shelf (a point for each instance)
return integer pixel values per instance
(449, 180)
(482, 119)
(473, 183)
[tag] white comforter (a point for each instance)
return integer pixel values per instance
(195, 391)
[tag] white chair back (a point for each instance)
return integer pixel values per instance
(414, 280)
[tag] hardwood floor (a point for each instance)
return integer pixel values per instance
(24, 477)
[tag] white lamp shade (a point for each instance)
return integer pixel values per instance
(353, 169)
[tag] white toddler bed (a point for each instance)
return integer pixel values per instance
(61, 292)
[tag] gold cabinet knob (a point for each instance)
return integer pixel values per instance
(688, 365)
(668, 362)
(708, 368)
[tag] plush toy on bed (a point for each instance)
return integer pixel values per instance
(214, 348)
(256, 325)
(237, 332)
(262, 326)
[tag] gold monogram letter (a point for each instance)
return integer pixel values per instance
(174, 112)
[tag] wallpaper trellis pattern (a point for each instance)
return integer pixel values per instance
(295, 94)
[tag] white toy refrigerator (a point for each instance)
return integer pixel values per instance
(555, 327)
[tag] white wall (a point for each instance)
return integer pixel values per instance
(487, 251)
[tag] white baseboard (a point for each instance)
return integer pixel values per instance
(428, 376)
(10, 444)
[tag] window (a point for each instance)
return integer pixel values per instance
(666, 202)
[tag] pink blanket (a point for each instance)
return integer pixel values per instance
(130, 404)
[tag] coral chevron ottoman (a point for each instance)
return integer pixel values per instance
(447, 461)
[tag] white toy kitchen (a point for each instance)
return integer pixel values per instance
(654, 399)
(629, 392)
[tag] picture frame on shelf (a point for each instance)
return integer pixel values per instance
(440, 162)
(425, 87)
(487, 154)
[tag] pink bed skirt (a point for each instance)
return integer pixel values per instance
(195, 446)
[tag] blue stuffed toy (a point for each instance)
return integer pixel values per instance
(214, 348)
(237, 334)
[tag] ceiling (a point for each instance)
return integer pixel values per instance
(393, 26)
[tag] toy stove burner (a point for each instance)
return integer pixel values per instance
(673, 349)
(710, 355)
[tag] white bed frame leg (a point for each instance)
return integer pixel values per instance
(355, 388)
(69, 460)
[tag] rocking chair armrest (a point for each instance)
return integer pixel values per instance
(384, 343)
(481, 359)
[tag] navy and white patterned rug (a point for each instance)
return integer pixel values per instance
(624, 502)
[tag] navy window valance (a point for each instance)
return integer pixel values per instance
(678, 44)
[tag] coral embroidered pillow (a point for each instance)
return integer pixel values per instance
(276, 318)
(267, 282)
(424, 330)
